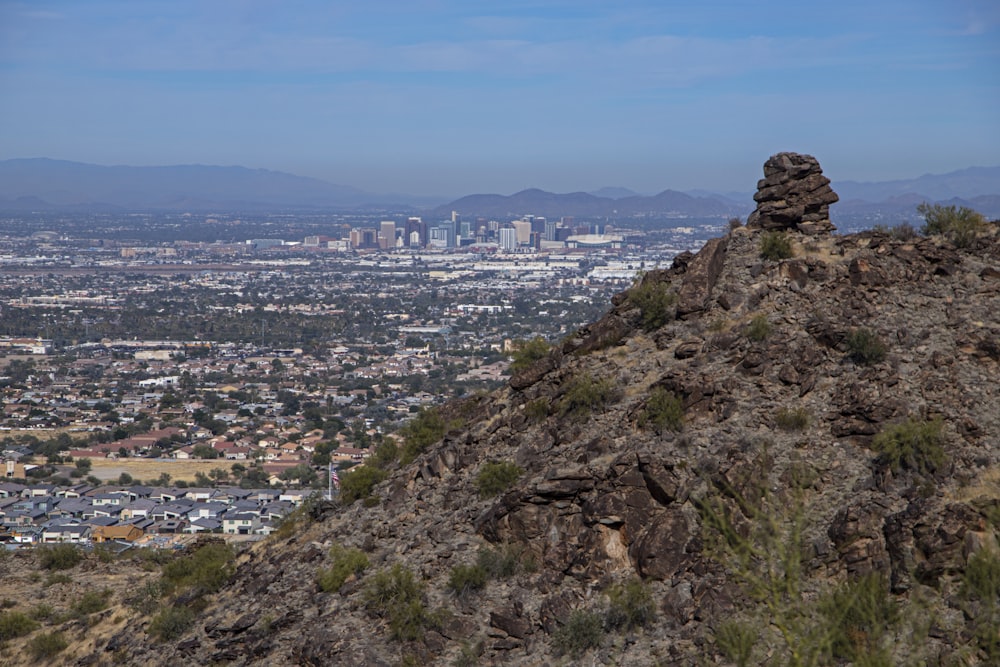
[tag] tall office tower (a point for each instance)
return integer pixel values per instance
(455, 217)
(523, 228)
(550, 230)
(466, 230)
(415, 239)
(415, 224)
(538, 225)
(355, 238)
(387, 235)
(508, 239)
(442, 235)
(567, 221)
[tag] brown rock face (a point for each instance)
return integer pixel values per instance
(794, 194)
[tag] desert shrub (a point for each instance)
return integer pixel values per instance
(655, 303)
(775, 246)
(56, 578)
(495, 478)
(581, 632)
(664, 411)
(200, 572)
(146, 598)
(865, 347)
(42, 612)
(630, 606)
(735, 223)
(395, 594)
(15, 624)
(912, 445)
(736, 639)
(59, 556)
(537, 410)
(503, 561)
(385, 454)
(792, 419)
(46, 645)
(585, 394)
(345, 562)
(980, 593)
(359, 482)
(958, 224)
(390, 588)
(91, 602)
(759, 328)
(527, 352)
(467, 578)
(860, 615)
(171, 623)
(420, 433)
(104, 553)
(901, 232)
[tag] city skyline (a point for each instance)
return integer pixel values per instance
(447, 98)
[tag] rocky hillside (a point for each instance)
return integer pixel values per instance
(791, 458)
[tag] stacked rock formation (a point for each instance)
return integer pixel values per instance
(794, 194)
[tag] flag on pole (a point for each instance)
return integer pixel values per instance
(335, 478)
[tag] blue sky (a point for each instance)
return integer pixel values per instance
(451, 97)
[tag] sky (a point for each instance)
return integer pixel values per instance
(454, 97)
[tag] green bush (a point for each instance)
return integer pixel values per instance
(759, 328)
(46, 645)
(203, 571)
(171, 623)
(359, 482)
(865, 347)
(57, 578)
(389, 589)
(420, 433)
(396, 595)
(796, 419)
(527, 352)
(959, 225)
(91, 602)
(537, 410)
(467, 578)
(581, 632)
(495, 478)
(630, 606)
(664, 411)
(42, 612)
(345, 562)
(585, 394)
(59, 556)
(15, 624)
(146, 598)
(775, 246)
(736, 640)
(860, 615)
(655, 302)
(980, 595)
(503, 561)
(912, 445)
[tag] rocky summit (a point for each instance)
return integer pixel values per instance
(794, 194)
(745, 461)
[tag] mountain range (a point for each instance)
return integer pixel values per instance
(42, 184)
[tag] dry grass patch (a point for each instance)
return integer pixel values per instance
(144, 469)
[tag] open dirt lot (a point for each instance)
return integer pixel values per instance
(147, 469)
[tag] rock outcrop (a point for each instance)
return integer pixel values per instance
(794, 194)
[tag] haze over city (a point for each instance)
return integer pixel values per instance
(450, 98)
